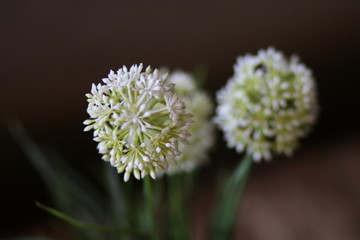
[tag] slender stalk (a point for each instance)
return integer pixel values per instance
(225, 209)
(150, 208)
(177, 217)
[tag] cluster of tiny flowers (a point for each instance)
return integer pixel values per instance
(267, 105)
(199, 104)
(138, 121)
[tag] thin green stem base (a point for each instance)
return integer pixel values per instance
(147, 189)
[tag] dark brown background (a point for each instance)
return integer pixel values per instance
(51, 51)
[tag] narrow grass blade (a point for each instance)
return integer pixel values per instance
(76, 223)
(70, 189)
(117, 199)
(225, 208)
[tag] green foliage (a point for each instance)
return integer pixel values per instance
(120, 208)
(73, 192)
(77, 223)
(225, 208)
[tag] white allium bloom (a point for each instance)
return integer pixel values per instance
(267, 105)
(138, 121)
(199, 104)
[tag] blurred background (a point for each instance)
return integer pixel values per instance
(51, 52)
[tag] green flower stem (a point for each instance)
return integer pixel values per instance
(150, 208)
(225, 209)
(177, 217)
(118, 200)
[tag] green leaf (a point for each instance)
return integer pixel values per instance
(76, 223)
(225, 208)
(83, 195)
(36, 157)
(70, 190)
(118, 203)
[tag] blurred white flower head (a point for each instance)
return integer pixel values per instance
(267, 105)
(199, 104)
(138, 121)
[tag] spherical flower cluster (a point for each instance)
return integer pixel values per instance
(199, 104)
(268, 104)
(138, 121)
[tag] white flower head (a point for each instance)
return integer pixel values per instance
(267, 105)
(138, 121)
(199, 104)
